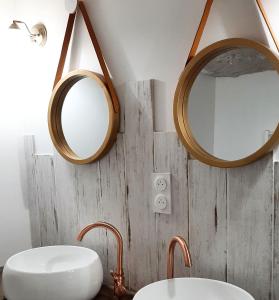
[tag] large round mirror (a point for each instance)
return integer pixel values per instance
(82, 120)
(226, 106)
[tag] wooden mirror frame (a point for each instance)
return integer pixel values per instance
(182, 93)
(54, 117)
(62, 86)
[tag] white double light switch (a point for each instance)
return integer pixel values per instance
(161, 193)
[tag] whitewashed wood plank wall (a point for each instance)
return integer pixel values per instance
(228, 217)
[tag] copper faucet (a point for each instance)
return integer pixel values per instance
(186, 254)
(118, 276)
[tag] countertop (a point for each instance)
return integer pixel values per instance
(106, 293)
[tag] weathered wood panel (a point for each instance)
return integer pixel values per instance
(250, 227)
(276, 234)
(113, 205)
(46, 190)
(30, 180)
(67, 200)
(207, 221)
(143, 261)
(121, 93)
(226, 215)
(86, 204)
(171, 157)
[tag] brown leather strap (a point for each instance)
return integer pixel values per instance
(100, 56)
(200, 30)
(98, 51)
(65, 46)
(263, 12)
(203, 22)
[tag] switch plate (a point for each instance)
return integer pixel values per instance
(161, 193)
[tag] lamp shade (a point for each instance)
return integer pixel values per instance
(14, 25)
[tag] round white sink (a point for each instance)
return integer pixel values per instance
(53, 273)
(192, 289)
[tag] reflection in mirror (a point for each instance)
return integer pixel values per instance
(85, 117)
(233, 105)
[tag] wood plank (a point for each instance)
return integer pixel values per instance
(1, 288)
(170, 156)
(207, 220)
(226, 215)
(276, 234)
(31, 192)
(250, 222)
(114, 203)
(142, 260)
(92, 194)
(89, 208)
(67, 200)
(121, 92)
(46, 197)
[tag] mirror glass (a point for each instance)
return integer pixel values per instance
(85, 117)
(233, 106)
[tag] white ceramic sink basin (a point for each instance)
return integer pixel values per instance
(192, 289)
(53, 273)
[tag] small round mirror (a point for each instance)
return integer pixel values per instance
(227, 105)
(82, 120)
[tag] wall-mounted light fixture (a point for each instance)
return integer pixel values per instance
(37, 34)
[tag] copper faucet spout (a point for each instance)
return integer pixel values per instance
(185, 251)
(116, 234)
(118, 276)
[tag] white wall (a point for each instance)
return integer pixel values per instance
(14, 218)
(140, 40)
(26, 79)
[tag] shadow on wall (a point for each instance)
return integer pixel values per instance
(236, 18)
(85, 57)
(247, 18)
